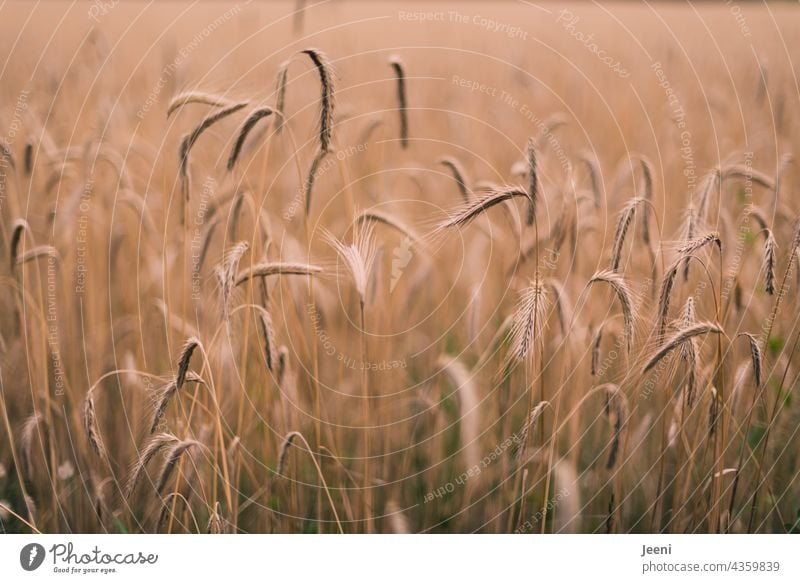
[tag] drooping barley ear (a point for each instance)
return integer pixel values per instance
(206, 244)
(625, 297)
(184, 360)
(562, 303)
(191, 138)
(268, 269)
(743, 172)
(326, 100)
(664, 296)
(709, 182)
(358, 257)
(490, 198)
(737, 296)
(533, 181)
(19, 228)
(617, 408)
(529, 319)
(284, 452)
(226, 273)
(756, 357)
(598, 338)
(769, 263)
(459, 175)
(201, 97)
(92, 429)
(529, 428)
(593, 167)
(678, 338)
(151, 448)
(28, 157)
(255, 116)
(281, 80)
(165, 394)
(175, 453)
(689, 350)
(270, 347)
(376, 216)
(402, 103)
(283, 362)
(647, 177)
(37, 253)
(308, 186)
(623, 222)
(696, 244)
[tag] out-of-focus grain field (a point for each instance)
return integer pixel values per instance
(399, 267)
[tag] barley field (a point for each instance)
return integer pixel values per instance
(399, 267)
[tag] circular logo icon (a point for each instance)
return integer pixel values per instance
(31, 556)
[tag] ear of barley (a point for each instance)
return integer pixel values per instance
(270, 347)
(26, 441)
(247, 126)
(284, 452)
(697, 244)
(308, 186)
(190, 139)
(529, 427)
(201, 97)
(594, 175)
(184, 360)
(743, 172)
(376, 216)
(175, 453)
(468, 403)
(402, 103)
(358, 257)
(459, 175)
(598, 338)
(268, 269)
(19, 228)
(533, 181)
(625, 297)
(226, 272)
(617, 407)
(490, 198)
(281, 81)
(562, 303)
(678, 339)
(151, 448)
(326, 100)
(769, 263)
(709, 182)
(623, 222)
(91, 426)
(529, 319)
(37, 253)
(756, 356)
(165, 394)
(647, 178)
